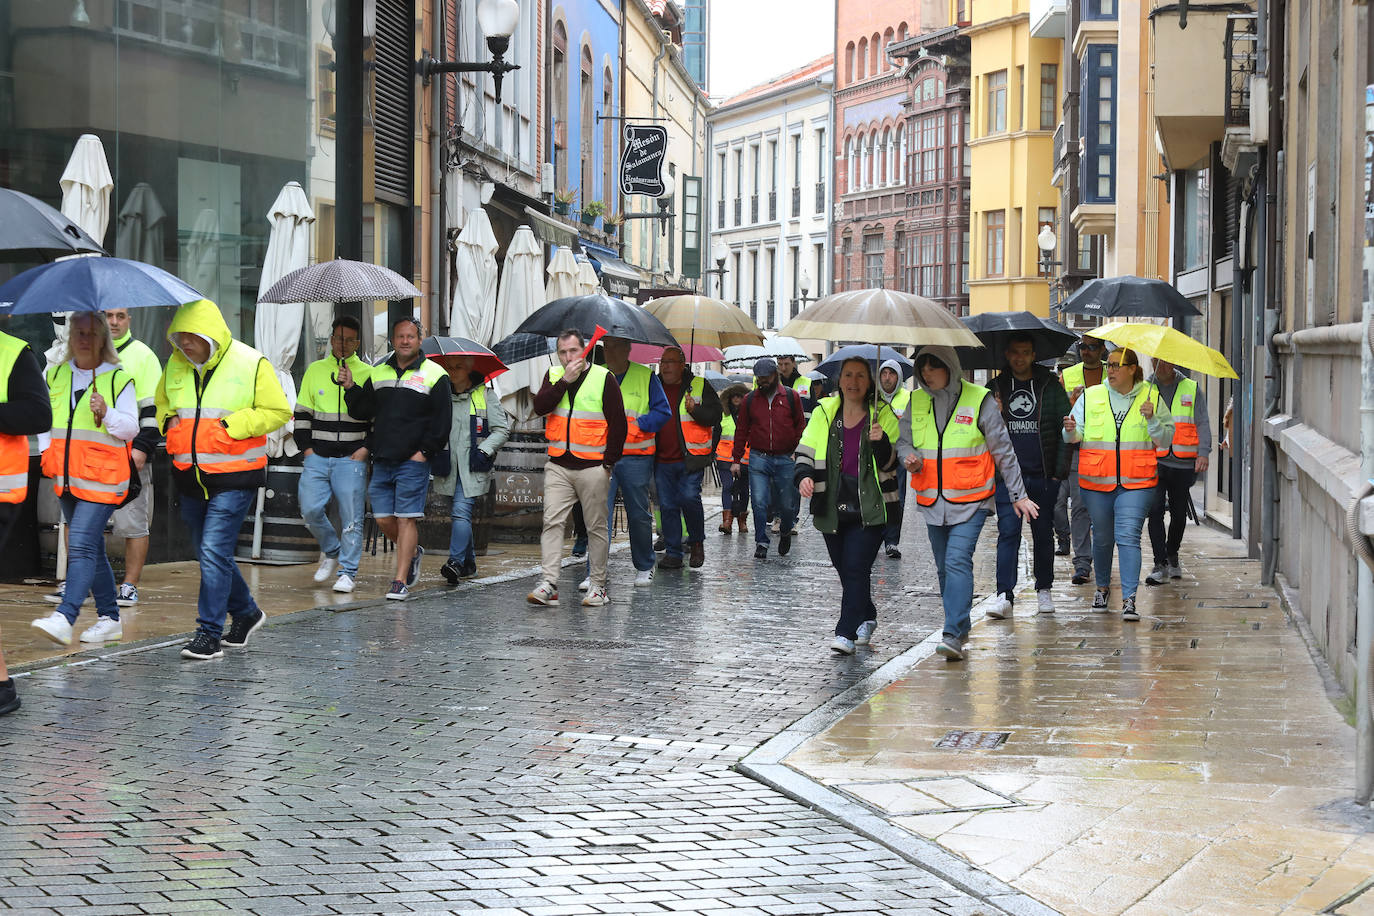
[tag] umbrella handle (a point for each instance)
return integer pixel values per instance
(333, 377)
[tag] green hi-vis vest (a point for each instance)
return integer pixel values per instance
(579, 428)
(320, 406)
(83, 458)
(876, 487)
(1185, 422)
(955, 461)
(14, 450)
(1113, 454)
(634, 391)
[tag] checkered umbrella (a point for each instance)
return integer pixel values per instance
(340, 281)
(518, 347)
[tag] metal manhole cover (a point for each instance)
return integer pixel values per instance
(540, 642)
(967, 741)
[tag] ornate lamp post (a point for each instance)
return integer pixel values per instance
(497, 20)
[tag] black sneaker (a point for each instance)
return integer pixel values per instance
(1063, 549)
(240, 628)
(784, 544)
(451, 572)
(760, 551)
(9, 697)
(1081, 576)
(660, 544)
(1100, 600)
(1128, 611)
(893, 553)
(468, 570)
(202, 646)
(413, 574)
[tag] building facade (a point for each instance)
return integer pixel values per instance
(768, 193)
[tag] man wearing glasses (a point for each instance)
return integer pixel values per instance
(1070, 513)
(334, 445)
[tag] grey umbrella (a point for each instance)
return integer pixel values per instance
(30, 230)
(340, 281)
(1135, 297)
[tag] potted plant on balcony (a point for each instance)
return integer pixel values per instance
(563, 200)
(612, 223)
(591, 210)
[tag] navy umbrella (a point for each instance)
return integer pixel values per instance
(1133, 297)
(30, 230)
(875, 354)
(586, 313)
(93, 285)
(995, 329)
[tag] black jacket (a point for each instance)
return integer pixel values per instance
(404, 421)
(27, 411)
(1054, 407)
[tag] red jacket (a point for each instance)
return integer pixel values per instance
(775, 429)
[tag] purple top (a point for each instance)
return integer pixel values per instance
(853, 442)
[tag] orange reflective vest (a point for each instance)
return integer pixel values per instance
(14, 450)
(696, 438)
(200, 404)
(634, 391)
(84, 460)
(955, 462)
(579, 428)
(725, 450)
(1185, 422)
(1115, 454)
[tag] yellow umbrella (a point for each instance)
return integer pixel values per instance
(881, 316)
(1163, 342)
(706, 321)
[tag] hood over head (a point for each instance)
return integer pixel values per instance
(947, 355)
(895, 367)
(202, 318)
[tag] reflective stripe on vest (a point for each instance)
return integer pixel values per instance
(200, 439)
(14, 450)
(695, 436)
(1112, 455)
(725, 450)
(955, 461)
(634, 390)
(83, 459)
(579, 428)
(814, 447)
(1185, 422)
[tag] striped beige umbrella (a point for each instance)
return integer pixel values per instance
(705, 321)
(881, 316)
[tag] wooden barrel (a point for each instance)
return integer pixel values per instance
(518, 488)
(285, 538)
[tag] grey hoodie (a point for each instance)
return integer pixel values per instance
(990, 423)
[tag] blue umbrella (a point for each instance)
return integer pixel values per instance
(93, 285)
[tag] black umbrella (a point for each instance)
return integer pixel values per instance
(518, 347)
(995, 329)
(30, 230)
(587, 313)
(717, 380)
(876, 356)
(340, 281)
(1133, 297)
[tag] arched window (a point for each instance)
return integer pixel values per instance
(874, 49)
(586, 154)
(608, 140)
(560, 104)
(885, 159)
(849, 62)
(863, 58)
(887, 40)
(901, 32)
(851, 166)
(901, 154)
(870, 167)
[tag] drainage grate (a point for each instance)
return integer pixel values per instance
(1169, 623)
(538, 642)
(1254, 605)
(972, 741)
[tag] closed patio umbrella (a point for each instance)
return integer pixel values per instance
(474, 296)
(521, 291)
(562, 276)
(587, 282)
(277, 326)
(86, 185)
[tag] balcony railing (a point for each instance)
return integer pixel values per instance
(1242, 53)
(796, 201)
(1059, 147)
(772, 205)
(772, 315)
(753, 208)
(739, 211)
(720, 213)
(820, 197)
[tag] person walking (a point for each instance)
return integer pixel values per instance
(95, 417)
(1186, 457)
(25, 410)
(646, 411)
(734, 488)
(480, 427)
(585, 425)
(133, 521)
(1033, 406)
(847, 468)
(407, 399)
(898, 399)
(769, 424)
(334, 451)
(217, 401)
(684, 447)
(953, 442)
(1077, 521)
(1119, 426)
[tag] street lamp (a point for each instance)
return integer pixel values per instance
(719, 252)
(497, 19)
(1047, 242)
(803, 287)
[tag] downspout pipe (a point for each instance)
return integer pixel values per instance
(658, 59)
(1272, 50)
(1364, 614)
(438, 276)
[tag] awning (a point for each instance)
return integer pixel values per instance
(549, 229)
(619, 278)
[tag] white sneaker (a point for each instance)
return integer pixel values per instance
(644, 578)
(842, 645)
(545, 593)
(1045, 601)
(344, 583)
(1001, 608)
(55, 596)
(56, 627)
(104, 629)
(596, 597)
(865, 632)
(325, 569)
(585, 584)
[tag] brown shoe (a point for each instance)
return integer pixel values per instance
(726, 525)
(743, 522)
(697, 555)
(668, 561)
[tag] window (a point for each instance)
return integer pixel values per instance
(1046, 217)
(928, 258)
(884, 163)
(900, 156)
(963, 264)
(1049, 96)
(822, 157)
(586, 153)
(739, 281)
(862, 58)
(1020, 98)
(1099, 125)
(691, 226)
(849, 62)
(796, 161)
(851, 165)
(997, 102)
(873, 259)
(963, 144)
(754, 286)
(996, 236)
(794, 253)
(608, 139)
(1099, 9)
(772, 316)
(773, 165)
(930, 149)
(560, 104)
(325, 94)
(1195, 223)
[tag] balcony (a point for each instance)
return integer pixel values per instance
(1247, 93)
(772, 206)
(739, 211)
(1190, 82)
(1049, 19)
(754, 208)
(820, 197)
(720, 213)
(1059, 154)
(796, 201)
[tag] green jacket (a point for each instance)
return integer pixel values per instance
(819, 458)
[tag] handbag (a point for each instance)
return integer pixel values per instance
(847, 509)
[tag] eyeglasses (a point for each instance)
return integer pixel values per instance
(346, 341)
(1118, 365)
(1090, 346)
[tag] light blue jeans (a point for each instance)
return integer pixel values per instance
(953, 548)
(88, 566)
(460, 552)
(346, 481)
(1118, 518)
(771, 487)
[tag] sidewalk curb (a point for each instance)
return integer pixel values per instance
(765, 765)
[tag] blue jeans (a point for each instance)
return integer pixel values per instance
(88, 567)
(399, 488)
(953, 548)
(679, 499)
(1042, 492)
(771, 489)
(346, 481)
(215, 525)
(631, 478)
(852, 549)
(460, 552)
(892, 533)
(1118, 518)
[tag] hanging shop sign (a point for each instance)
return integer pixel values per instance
(641, 169)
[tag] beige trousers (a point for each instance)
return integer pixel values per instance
(564, 489)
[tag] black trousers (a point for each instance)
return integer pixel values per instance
(1172, 489)
(853, 548)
